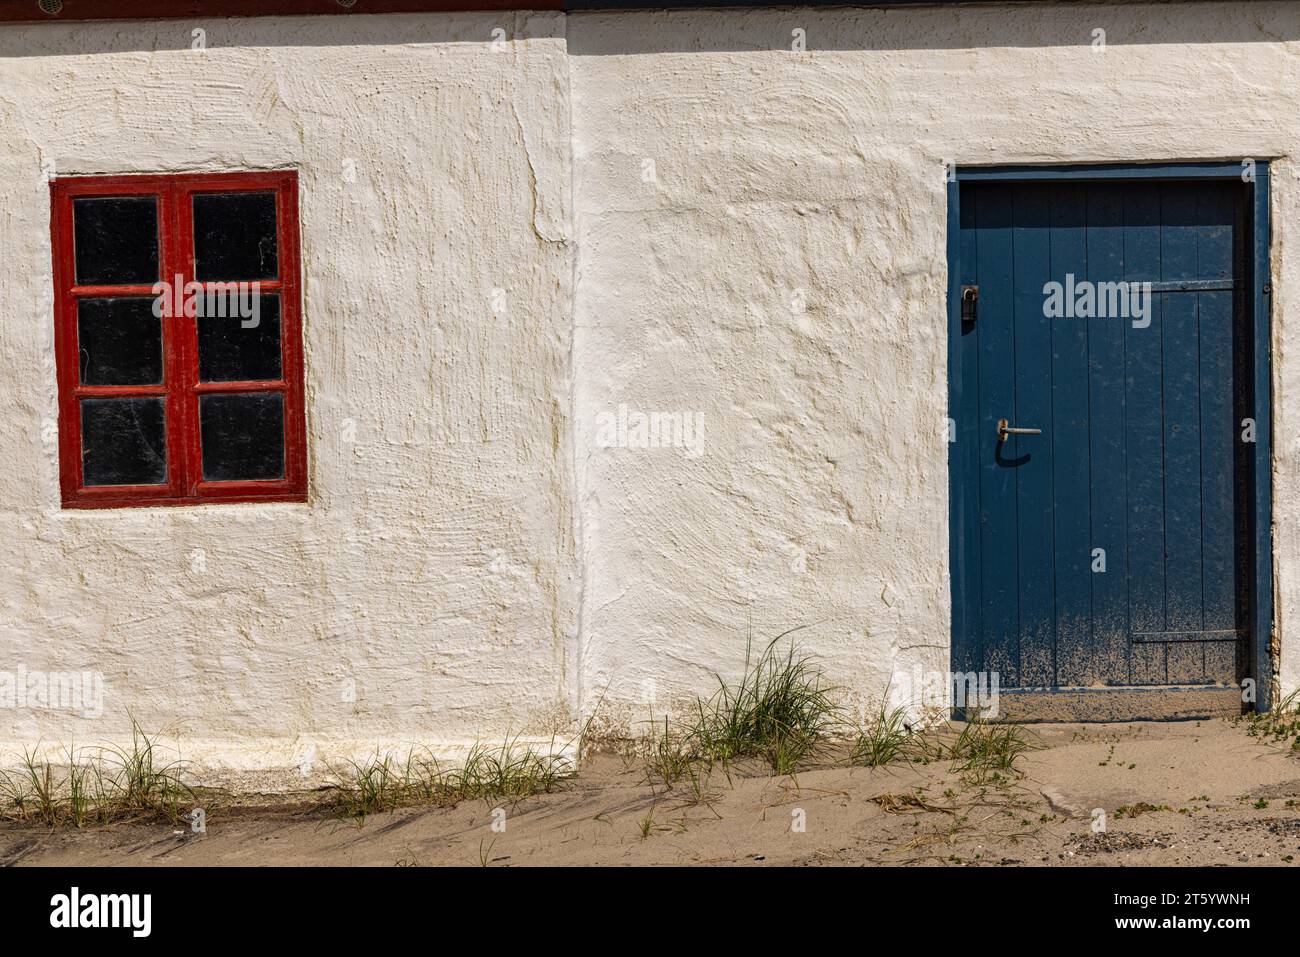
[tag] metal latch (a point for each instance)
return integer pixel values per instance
(1005, 429)
(970, 297)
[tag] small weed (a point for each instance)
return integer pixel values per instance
(668, 758)
(698, 777)
(901, 803)
(1142, 807)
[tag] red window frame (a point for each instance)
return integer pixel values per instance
(181, 388)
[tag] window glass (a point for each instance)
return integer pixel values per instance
(237, 349)
(119, 342)
(234, 237)
(242, 435)
(116, 240)
(123, 442)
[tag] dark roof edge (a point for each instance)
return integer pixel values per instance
(54, 11)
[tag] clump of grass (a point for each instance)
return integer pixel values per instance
(1279, 725)
(778, 711)
(99, 786)
(668, 757)
(384, 783)
(885, 739)
(142, 785)
(31, 793)
(373, 786)
(506, 772)
(981, 751)
(984, 750)
(83, 802)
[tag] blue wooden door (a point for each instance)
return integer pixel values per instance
(1110, 546)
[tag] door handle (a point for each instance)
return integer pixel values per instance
(1004, 430)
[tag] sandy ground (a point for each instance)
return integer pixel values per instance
(1173, 793)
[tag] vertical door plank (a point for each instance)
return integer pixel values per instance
(1000, 585)
(1033, 454)
(1148, 663)
(1218, 438)
(968, 620)
(1216, 209)
(1144, 458)
(1180, 341)
(1221, 662)
(1068, 434)
(1185, 663)
(1109, 479)
(1215, 213)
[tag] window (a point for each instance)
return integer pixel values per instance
(178, 339)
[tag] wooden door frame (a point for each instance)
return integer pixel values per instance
(1259, 279)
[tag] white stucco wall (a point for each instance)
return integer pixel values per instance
(686, 216)
(821, 499)
(431, 575)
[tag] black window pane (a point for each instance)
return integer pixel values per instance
(235, 349)
(243, 436)
(116, 240)
(234, 236)
(123, 442)
(119, 342)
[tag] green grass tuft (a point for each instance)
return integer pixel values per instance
(508, 771)
(986, 751)
(884, 740)
(1278, 726)
(99, 786)
(779, 710)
